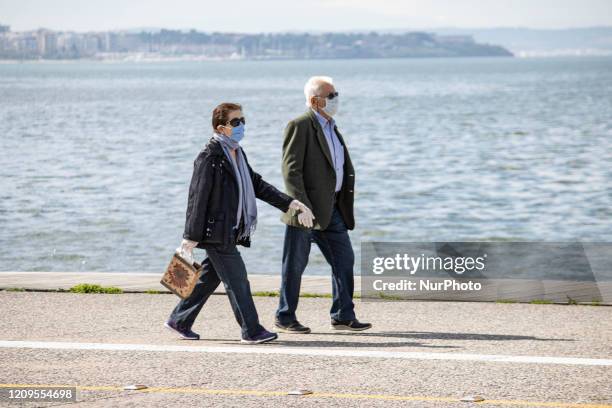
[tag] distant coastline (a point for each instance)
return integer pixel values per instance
(128, 58)
(152, 59)
(158, 44)
(194, 45)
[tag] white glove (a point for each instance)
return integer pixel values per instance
(185, 251)
(305, 217)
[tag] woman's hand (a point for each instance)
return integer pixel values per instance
(305, 217)
(186, 250)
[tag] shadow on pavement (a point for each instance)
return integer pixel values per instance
(444, 336)
(324, 343)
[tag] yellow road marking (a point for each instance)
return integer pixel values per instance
(385, 397)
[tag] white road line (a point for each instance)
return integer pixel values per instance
(301, 351)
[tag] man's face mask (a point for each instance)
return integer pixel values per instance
(331, 104)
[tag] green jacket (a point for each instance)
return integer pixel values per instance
(309, 173)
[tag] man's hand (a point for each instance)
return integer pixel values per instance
(185, 251)
(305, 217)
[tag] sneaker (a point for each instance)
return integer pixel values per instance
(349, 325)
(293, 328)
(263, 337)
(186, 334)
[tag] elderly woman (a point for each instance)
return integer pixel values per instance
(221, 214)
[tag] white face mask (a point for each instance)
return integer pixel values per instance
(331, 106)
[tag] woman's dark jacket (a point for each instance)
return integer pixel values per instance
(213, 198)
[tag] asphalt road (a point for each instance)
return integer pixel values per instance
(417, 354)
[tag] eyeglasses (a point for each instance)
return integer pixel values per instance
(331, 95)
(236, 121)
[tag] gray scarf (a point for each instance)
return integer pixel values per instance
(247, 207)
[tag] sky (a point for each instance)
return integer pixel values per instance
(293, 15)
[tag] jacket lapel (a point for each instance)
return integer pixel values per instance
(340, 138)
(348, 165)
(224, 162)
(321, 137)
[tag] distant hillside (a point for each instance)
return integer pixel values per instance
(531, 42)
(364, 45)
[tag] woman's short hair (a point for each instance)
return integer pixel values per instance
(221, 113)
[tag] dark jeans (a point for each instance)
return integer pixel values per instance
(336, 247)
(223, 264)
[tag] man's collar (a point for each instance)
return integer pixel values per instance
(322, 120)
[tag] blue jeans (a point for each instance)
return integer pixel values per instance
(335, 244)
(223, 264)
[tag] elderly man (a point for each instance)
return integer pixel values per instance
(318, 172)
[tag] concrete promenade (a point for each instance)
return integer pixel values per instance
(421, 354)
(141, 282)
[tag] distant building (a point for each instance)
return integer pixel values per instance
(40, 41)
(109, 42)
(47, 43)
(27, 45)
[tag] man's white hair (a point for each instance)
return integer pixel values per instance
(314, 85)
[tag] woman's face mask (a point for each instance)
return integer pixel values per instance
(237, 133)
